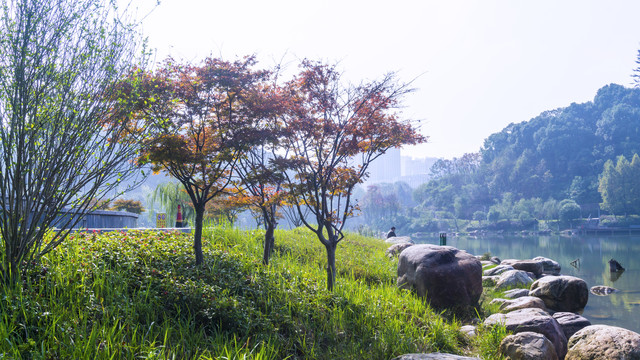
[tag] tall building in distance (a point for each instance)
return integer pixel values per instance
(386, 168)
(392, 167)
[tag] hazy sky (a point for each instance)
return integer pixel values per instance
(478, 65)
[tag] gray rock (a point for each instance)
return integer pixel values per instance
(433, 356)
(396, 249)
(522, 303)
(570, 322)
(513, 278)
(498, 270)
(604, 342)
(496, 260)
(498, 301)
(515, 293)
(444, 275)
(468, 330)
(534, 267)
(550, 267)
(527, 345)
(399, 239)
(535, 320)
(602, 290)
(561, 293)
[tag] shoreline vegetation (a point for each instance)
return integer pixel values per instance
(139, 295)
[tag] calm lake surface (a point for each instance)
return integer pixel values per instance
(593, 253)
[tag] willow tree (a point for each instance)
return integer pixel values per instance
(335, 131)
(62, 141)
(167, 196)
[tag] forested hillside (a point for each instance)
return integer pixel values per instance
(544, 168)
(561, 152)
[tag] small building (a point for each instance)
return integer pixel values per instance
(102, 219)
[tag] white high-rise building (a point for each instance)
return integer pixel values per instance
(392, 167)
(386, 168)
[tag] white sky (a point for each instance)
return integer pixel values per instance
(479, 64)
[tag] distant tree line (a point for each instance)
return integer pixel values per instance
(574, 162)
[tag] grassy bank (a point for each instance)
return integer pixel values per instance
(138, 295)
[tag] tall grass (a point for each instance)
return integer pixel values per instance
(138, 295)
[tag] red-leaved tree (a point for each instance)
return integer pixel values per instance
(261, 185)
(204, 117)
(335, 131)
(261, 189)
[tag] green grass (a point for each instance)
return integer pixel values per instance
(138, 295)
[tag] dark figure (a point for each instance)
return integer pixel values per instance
(391, 232)
(615, 266)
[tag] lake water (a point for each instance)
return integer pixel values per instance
(592, 253)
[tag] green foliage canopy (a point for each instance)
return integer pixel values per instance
(620, 186)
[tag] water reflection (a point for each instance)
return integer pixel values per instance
(586, 257)
(615, 275)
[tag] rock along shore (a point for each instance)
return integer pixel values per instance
(541, 307)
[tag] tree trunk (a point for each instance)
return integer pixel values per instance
(331, 263)
(268, 242)
(197, 239)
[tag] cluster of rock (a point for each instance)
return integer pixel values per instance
(541, 310)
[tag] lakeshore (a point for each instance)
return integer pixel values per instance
(592, 253)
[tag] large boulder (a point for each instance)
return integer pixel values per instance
(433, 356)
(446, 276)
(570, 322)
(561, 293)
(534, 267)
(535, 320)
(549, 266)
(513, 278)
(399, 239)
(396, 249)
(604, 342)
(527, 345)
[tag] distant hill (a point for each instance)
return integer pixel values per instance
(555, 156)
(561, 152)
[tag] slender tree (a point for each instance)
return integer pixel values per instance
(63, 143)
(335, 131)
(290, 212)
(203, 115)
(261, 185)
(636, 72)
(262, 189)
